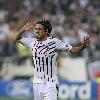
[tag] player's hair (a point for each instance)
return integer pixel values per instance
(46, 24)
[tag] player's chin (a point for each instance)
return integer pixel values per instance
(38, 37)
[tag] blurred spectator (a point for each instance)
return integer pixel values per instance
(4, 30)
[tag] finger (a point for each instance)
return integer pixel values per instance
(31, 28)
(30, 24)
(88, 40)
(87, 37)
(84, 39)
(27, 25)
(33, 22)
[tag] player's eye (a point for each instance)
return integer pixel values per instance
(39, 29)
(35, 28)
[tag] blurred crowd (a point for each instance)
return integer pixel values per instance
(71, 21)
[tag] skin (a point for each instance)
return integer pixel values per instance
(40, 32)
(42, 35)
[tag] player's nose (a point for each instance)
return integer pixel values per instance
(37, 31)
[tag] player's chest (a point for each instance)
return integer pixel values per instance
(43, 47)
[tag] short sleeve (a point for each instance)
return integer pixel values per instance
(60, 45)
(27, 41)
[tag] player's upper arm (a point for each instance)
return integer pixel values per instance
(26, 41)
(60, 45)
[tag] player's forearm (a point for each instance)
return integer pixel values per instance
(18, 36)
(77, 49)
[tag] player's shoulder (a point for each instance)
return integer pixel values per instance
(53, 39)
(28, 40)
(33, 39)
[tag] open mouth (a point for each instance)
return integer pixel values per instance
(38, 35)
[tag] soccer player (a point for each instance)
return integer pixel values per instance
(45, 51)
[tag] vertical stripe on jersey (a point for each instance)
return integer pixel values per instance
(36, 61)
(51, 65)
(35, 53)
(47, 64)
(35, 56)
(37, 69)
(39, 61)
(43, 63)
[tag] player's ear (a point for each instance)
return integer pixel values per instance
(46, 32)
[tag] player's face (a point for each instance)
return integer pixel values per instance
(40, 32)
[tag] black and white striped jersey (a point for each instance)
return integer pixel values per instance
(45, 56)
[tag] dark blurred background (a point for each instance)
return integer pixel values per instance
(71, 21)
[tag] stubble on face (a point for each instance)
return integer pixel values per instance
(40, 32)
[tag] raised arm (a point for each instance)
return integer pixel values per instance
(84, 44)
(28, 27)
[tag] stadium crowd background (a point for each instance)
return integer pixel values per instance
(71, 20)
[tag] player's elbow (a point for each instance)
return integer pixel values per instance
(16, 38)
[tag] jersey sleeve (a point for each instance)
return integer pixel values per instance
(27, 42)
(60, 45)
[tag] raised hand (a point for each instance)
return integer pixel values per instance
(86, 42)
(29, 26)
